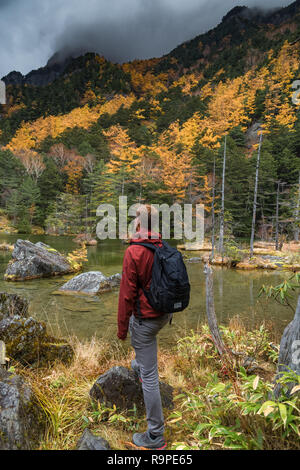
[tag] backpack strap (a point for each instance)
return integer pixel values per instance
(153, 248)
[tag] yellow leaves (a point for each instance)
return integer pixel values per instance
(191, 129)
(278, 100)
(285, 115)
(30, 134)
(88, 96)
(187, 82)
(74, 169)
(285, 65)
(174, 172)
(123, 150)
(15, 108)
(210, 140)
(227, 108)
(77, 257)
(139, 114)
(143, 80)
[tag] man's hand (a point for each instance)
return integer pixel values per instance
(122, 338)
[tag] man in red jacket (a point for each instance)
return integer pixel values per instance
(136, 315)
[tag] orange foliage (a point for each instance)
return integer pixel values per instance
(30, 134)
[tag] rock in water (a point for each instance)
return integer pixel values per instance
(32, 261)
(89, 441)
(289, 354)
(120, 386)
(93, 282)
(21, 419)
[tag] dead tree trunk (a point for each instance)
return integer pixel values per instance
(210, 311)
(277, 218)
(255, 198)
(221, 241)
(213, 211)
(297, 214)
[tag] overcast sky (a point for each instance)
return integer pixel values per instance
(32, 30)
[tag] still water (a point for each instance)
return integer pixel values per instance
(236, 293)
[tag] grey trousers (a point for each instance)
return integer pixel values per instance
(143, 340)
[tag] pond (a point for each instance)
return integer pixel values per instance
(236, 293)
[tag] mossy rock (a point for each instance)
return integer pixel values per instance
(120, 386)
(28, 343)
(52, 350)
(34, 261)
(22, 420)
(246, 266)
(12, 305)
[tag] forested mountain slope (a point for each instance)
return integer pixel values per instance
(84, 131)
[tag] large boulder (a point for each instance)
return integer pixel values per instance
(120, 386)
(21, 418)
(93, 282)
(32, 261)
(289, 353)
(89, 441)
(26, 339)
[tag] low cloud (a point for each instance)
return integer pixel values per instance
(121, 30)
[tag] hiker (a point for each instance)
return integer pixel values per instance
(136, 314)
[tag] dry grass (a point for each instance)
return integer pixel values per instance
(63, 391)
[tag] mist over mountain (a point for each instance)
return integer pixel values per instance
(76, 44)
(121, 30)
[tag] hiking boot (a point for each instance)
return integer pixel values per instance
(144, 440)
(136, 369)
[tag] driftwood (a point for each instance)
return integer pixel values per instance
(2, 354)
(210, 311)
(289, 354)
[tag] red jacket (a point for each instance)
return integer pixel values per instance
(137, 265)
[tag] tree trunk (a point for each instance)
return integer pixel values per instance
(277, 218)
(210, 311)
(221, 241)
(297, 214)
(213, 212)
(255, 198)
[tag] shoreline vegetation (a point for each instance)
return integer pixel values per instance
(236, 256)
(222, 399)
(218, 405)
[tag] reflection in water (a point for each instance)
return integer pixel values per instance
(236, 293)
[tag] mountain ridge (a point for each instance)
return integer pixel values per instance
(56, 66)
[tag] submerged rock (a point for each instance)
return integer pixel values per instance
(89, 441)
(120, 386)
(93, 282)
(31, 261)
(21, 418)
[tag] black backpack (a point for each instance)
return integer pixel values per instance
(169, 290)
